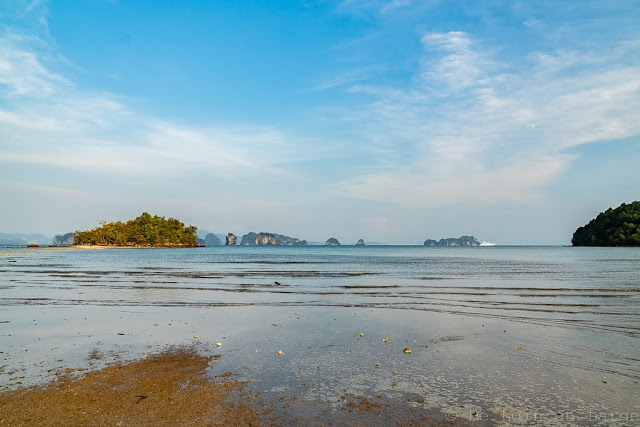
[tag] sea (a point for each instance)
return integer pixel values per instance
(503, 335)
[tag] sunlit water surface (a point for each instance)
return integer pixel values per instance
(513, 335)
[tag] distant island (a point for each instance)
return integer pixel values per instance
(452, 241)
(613, 227)
(211, 240)
(63, 240)
(332, 241)
(145, 230)
(262, 239)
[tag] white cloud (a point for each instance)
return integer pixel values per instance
(382, 7)
(459, 67)
(22, 73)
(395, 4)
(46, 120)
(479, 134)
(532, 22)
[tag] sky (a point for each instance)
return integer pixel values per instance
(391, 121)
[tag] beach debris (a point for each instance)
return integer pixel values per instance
(395, 372)
(278, 283)
(407, 350)
(361, 334)
(256, 351)
(279, 353)
(218, 344)
(195, 337)
(384, 340)
(519, 348)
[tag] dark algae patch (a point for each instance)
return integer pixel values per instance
(165, 389)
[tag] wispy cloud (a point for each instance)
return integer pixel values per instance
(46, 120)
(22, 73)
(485, 130)
(383, 7)
(459, 66)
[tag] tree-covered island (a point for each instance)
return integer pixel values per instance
(613, 227)
(145, 230)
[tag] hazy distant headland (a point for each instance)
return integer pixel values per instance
(613, 227)
(19, 239)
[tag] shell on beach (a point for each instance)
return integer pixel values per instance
(407, 350)
(279, 353)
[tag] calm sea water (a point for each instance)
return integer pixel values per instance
(515, 335)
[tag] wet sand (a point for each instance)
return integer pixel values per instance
(167, 388)
(175, 387)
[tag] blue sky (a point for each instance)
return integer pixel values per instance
(391, 121)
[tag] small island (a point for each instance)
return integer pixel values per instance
(231, 240)
(452, 241)
(144, 231)
(613, 227)
(211, 240)
(62, 240)
(264, 239)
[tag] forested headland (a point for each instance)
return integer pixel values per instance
(613, 227)
(145, 230)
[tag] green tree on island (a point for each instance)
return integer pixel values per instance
(614, 227)
(145, 230)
